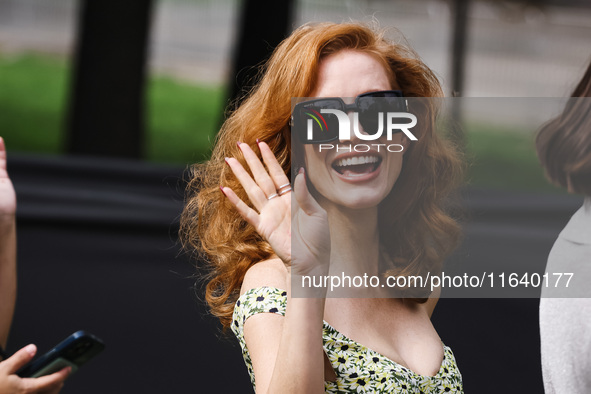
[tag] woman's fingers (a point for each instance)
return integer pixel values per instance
(278, 176)
(254, 192)
(259, 172)
(265, 184)
(19, 359)
(244, 210)
(305, 200)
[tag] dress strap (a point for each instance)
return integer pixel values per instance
(255, 301)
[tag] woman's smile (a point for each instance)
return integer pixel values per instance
(350, 175)
(356, 166)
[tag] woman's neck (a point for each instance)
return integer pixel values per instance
(354, 240)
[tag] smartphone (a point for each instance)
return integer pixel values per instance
(73, 352)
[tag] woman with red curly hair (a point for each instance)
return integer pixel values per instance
(374, 213)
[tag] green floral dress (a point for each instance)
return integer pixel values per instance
(358, 369)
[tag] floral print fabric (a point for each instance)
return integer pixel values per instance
(358, 369)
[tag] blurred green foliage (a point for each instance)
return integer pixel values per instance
(504, 159)
(32, 99)
(183, 118)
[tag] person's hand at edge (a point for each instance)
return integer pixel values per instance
(10, 383)
(7, 248)
(7, 194)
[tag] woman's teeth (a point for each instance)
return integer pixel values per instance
(357, 165)
(352, 161)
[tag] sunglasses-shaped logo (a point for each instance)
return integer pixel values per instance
(324, 120)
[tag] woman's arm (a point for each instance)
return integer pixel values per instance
(286, 352)
(7, 248)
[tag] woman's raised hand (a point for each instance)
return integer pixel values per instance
(7, 195)
(271, 197)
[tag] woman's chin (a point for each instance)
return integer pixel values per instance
(359, 201)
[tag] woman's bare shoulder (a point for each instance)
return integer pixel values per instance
(271, 273)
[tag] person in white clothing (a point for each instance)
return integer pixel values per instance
(564, 149)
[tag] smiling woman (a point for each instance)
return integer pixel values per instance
(340, 178)
(373, 212)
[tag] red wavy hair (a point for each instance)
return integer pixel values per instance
(215, 232)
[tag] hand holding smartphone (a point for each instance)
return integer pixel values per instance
(73, 352)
